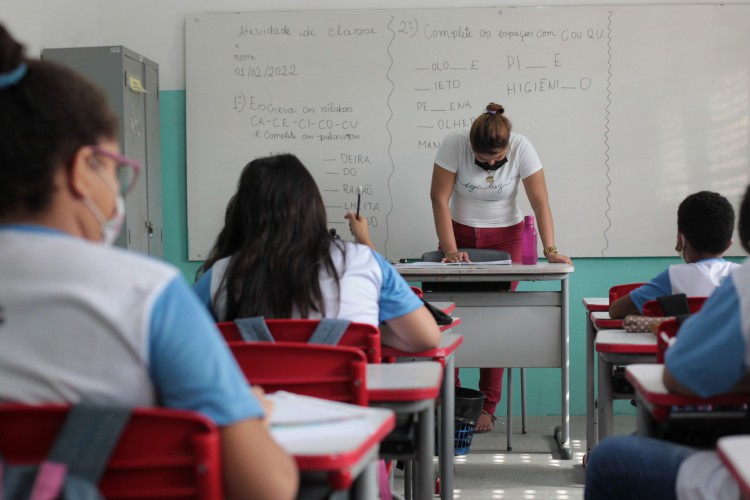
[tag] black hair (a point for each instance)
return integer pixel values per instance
(743, 224)
(275, 231)
(706, 219)
(490, 131)
(47, 115)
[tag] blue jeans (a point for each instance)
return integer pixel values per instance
(636, 467)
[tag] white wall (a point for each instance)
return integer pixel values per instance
(155, 28)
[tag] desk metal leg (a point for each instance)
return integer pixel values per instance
(447, 430)
(366, 485)
(604, 399)
(509, 399)
(562, 433)
(425, 470)
(591, 431)
(523, 400)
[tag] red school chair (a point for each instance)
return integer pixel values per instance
(360, 335)
(665, 333)
(162, 453)
(653, 307)
(618, 291)
(336, 373)
(418, 291)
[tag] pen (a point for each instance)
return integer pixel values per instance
(359, 197)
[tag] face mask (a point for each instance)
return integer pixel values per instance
(110, 228)
(487, 166)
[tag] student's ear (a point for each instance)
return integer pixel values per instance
(680, 245)
(79, 173)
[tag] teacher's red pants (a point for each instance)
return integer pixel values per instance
(507, 239)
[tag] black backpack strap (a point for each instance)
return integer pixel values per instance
(87, 439)
(329, 331)
(441, 318)
(254, 329)
(674, 305)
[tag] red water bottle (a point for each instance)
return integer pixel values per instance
(528, 242)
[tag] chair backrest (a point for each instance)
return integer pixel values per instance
(359, 335)
(666, 331)
(162, 453)
(653, 307)
(618, 291)
(475, 254)
(337, 373)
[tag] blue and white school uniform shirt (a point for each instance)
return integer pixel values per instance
(82, 321)
(371, 291)
(711, 355)
(697, 279)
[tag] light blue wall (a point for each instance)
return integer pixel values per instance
(592, 277)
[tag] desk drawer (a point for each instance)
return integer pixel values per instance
(502, 336)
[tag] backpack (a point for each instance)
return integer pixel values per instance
(76, 461)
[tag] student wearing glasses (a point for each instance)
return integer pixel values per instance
(82, 321)
(475, 182)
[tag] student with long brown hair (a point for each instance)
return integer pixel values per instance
(276, 258)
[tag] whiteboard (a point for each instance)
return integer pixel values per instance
(631, 108)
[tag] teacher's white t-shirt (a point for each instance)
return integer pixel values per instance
(476, 202)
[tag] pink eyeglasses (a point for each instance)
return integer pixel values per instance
(127, 169)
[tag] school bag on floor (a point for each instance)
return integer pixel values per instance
(76, 461)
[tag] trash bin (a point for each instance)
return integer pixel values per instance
(469, 403)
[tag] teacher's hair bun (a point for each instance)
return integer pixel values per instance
(494, 108)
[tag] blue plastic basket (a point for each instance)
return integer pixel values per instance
(464, 432)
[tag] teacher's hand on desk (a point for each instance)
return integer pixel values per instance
(558, 258)
(456, 256)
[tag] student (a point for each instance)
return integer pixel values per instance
(277, 256)
(81, 321)
(710, 356)
(705, 222)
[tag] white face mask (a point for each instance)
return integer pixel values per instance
(110, 228)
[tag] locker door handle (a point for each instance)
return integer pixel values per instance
(150, 228)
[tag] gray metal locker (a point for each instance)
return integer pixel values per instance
(131, 83)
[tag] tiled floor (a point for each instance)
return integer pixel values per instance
(532, 470)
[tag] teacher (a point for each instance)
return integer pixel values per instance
(475, 183)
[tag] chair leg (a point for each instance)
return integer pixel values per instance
(509, 399)
(523, 400)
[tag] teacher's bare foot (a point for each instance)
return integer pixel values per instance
(485, 423)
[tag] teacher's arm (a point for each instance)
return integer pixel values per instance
(440, 194)
(536, 190)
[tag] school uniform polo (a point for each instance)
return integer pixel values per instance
(80, 321)
(711, 355)
(697, 279)
(371, 291)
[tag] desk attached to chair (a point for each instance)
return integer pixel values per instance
(535, 324)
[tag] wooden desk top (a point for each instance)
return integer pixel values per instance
(404, 381)
(508, 271)
(647, 381)
(622, 342)
(602, 321)
(449, 342)
(330, 446)
(596, 303)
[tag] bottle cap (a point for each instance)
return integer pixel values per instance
(529, 219)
